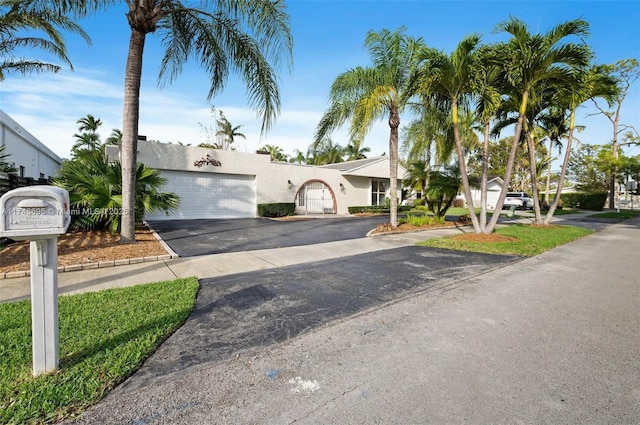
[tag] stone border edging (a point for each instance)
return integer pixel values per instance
(104, 264)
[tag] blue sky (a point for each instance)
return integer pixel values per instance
(328, 37)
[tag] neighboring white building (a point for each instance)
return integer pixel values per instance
(494, 186)
(243, 180)
(29, 156)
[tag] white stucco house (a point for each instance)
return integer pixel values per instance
(28, 155)
(227, 184)
(494, 186)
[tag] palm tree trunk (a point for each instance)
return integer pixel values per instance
(548, 185)
(130, 117)
(394, 123)
(510, 162)
(563, 171)
(463, 167)
(484, 178)
(531, 147)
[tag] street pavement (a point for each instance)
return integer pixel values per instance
(551, 339)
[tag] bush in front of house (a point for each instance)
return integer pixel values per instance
(587, 201)
(280, 209)
(375, 209)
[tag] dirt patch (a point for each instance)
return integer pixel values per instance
(406, 227)
(483, 238)
(82, 247)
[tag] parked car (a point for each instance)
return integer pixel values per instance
(521, 200)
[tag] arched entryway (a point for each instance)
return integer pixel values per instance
(315, 197)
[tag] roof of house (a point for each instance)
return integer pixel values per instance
(368, 167)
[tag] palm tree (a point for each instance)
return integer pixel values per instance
(95, 190)
(354, 150)
(325, 151)
(249, 37)
(226, 133)
(452, 77)
(417, 176)
(298, 158)
(526, 61)
(115, 138)
(16, 18)
(382, 90)
(275, 152)
(588, 83)
(89, 139)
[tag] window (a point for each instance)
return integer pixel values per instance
(378, 192)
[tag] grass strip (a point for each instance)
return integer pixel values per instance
(623, 214)
(104, 338)
(523, 240)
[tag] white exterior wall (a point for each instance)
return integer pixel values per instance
(26, 150)
(271, 178)
(493, 193)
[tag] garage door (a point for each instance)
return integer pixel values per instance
(204, 195)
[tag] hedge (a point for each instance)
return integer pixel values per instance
(586, 201)
(375, 209)
(281, 209)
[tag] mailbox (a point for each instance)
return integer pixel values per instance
(34, 212)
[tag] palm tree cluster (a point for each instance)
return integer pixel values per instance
(532, 82)
(95, 184)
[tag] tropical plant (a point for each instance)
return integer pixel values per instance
(531, 62)
(354, 150)
(249, 37)
(88, 139)
(325, 151)
(275, 152)
(382, 90)
(17, 18)
(226, 133)
(417, 176)
(586, 169)
(442, 190)
(95, 191)
(115, 138)
(451, 77)
(298, 158)
(5, 167)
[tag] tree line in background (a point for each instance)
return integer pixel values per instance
(460, 102)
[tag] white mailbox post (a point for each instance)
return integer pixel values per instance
(39, 214)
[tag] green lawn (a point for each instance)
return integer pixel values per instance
(104, 338)
(525, 240)
(623, 214)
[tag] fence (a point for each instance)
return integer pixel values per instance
(10, 181)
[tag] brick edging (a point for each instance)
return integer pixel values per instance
(104, 264)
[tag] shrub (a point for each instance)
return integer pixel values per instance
(281, 209)
(421, 220)
(587, 201)
(368, 209)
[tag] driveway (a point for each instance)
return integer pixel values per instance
(189, 238)
(258, 309)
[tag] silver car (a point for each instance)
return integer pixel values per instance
(520, 200)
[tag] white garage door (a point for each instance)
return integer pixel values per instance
(204, 195)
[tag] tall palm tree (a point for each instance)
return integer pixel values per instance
(526, 61)
(452, 78)
(248, 37)
(5, 167)
(89, 137)
(417, 176)
(588, 83)
(382, 90)
(115, 138)
(16, 18)
(226, 133)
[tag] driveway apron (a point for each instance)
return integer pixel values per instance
(251, 310)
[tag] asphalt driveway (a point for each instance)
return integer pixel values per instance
(189, 238)
(257, 309)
